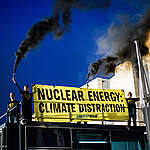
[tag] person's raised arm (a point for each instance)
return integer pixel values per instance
(14, 80)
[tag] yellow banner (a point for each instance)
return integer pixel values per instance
(69, 104)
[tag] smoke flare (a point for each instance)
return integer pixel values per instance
(123, 49)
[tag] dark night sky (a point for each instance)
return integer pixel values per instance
(62, 62)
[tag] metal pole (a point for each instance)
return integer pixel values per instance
(25, 136)
(2, 140)
(3, 115)
(20, 139)
(143, 82)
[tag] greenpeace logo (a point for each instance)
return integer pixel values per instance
(86, 116)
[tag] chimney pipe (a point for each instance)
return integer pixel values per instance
(144, 92)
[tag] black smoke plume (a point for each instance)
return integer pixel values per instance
(35, 36)
(62, 8)
(38, 32)
(121, 38)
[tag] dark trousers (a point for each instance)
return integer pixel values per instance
(132, 114)
(27, 111)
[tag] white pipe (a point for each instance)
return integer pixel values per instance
(144, 91)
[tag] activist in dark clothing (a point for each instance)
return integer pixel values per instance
(131, 108)
(26, 101)
(13, 111)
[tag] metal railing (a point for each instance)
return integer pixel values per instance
(9, 111)
(139, 121)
